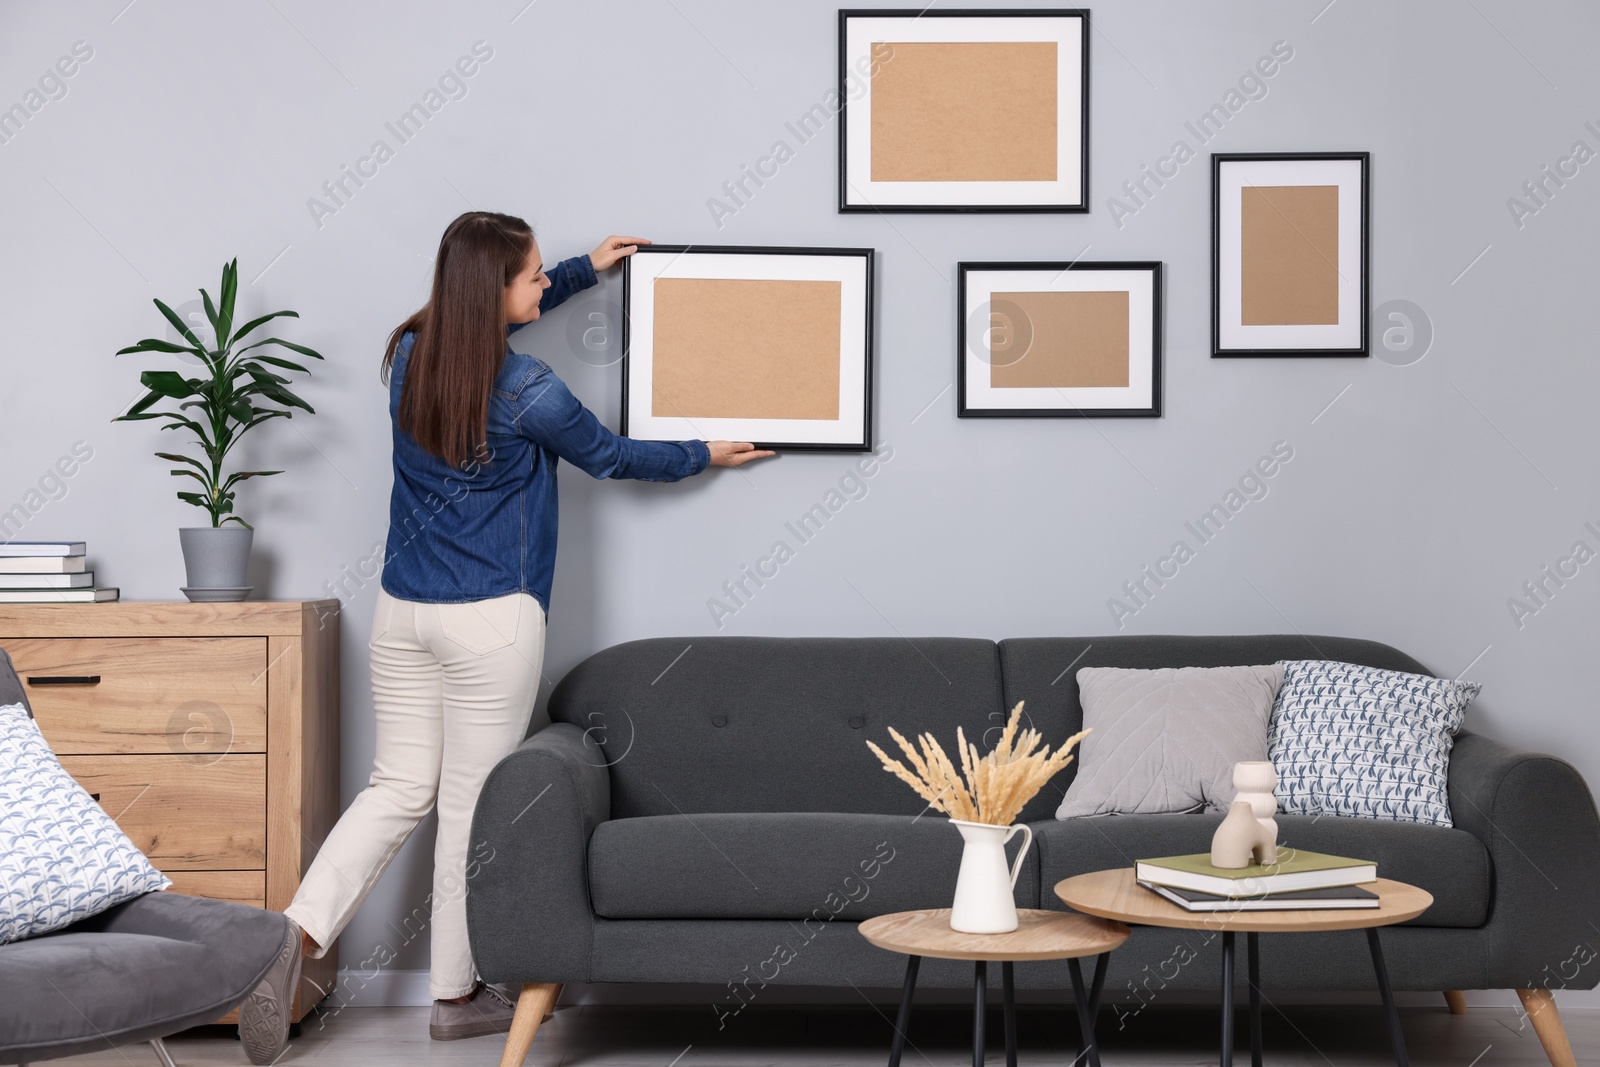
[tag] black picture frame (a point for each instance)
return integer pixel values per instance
(1155, 268)
(1363, 349)
(869, 256)
(845, 207)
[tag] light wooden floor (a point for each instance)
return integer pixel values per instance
(614, 1036)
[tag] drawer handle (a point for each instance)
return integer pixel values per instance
(65, 679)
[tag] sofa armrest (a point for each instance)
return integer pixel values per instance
(1536, 816)
(528, 913)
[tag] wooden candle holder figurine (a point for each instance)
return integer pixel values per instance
(1249, 834)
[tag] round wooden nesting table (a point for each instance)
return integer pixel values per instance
(1040, 935)
(1117, 895)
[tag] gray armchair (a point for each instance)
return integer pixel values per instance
(140, 971)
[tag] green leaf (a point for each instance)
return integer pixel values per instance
(262, 416)
(152, 344)
(142, 406)
(228, 296)
(182, 473)
(240, 409)
(211, 314)
(276, 362)
(196, 499)
(179, 422)
(181, 326)
(284, 396)
(262, 374)
(237, 519)
(169, 383)
(173, 457)
(254, 323)
(286, 344)
(239, 476)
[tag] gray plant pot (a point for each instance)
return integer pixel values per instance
(215, 558)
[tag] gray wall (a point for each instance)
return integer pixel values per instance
(1420, 497)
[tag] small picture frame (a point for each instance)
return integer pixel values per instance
(964, 110)
(1289, 254)
(1062, 340)
(749, 343)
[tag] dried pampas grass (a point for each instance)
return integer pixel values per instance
(989, 789)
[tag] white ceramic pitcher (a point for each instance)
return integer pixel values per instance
(984, 901)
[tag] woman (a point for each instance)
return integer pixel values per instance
(458, 632)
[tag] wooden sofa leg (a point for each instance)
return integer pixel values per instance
(538, 999)
(1456, 1001)
(1540, 1004)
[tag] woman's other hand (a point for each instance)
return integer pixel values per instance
(614, 249)
(735, 453)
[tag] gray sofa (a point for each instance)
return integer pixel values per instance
(706, 810)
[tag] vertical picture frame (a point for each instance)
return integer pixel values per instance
(767, 344)
(964, 110)
(1059, 340)
(1290, 254)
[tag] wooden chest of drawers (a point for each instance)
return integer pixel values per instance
(210, 732)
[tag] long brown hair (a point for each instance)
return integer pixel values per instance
(461, 335)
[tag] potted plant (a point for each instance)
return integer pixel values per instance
(238, 390)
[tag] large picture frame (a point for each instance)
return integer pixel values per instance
(964, 110)
(766, 344)
(1061, 340)
(1290, 254)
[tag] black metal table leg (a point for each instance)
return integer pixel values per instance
(1396, 1037)
(1008, 983)
(980, 1005)
(1086, 1040)
(1227, 998)
(1102, 962)
(1253, 955)
(902, 1020)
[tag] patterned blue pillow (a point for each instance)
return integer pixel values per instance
(61, 857)
(1363, 742)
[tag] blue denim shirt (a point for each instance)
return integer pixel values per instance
(488, 529)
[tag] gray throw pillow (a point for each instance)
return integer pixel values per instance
(1166, 740)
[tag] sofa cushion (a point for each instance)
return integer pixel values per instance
(62, 858)
(1451, 864)
(1043, 672)
(1166, 740)
(1371, 744)
(753, 724)
(788, 865)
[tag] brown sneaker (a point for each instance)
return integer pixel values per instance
(264, 1016)
(488, 1012)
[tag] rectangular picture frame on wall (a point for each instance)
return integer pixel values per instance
(766, 344)
(964, 110)
(1290, 254)
(1059, 340)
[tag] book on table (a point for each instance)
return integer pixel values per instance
(58, 596)
(1295, 869)
(42, 548)
(1349, 896)
(43, 565)
(13, 582)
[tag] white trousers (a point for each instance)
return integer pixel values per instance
(453, 688)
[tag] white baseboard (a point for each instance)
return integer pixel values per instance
(383, 989)
(386, 989)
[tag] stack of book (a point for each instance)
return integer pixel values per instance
(1300, 880)
(48, 572)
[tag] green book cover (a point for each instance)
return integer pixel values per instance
(1290, 861)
